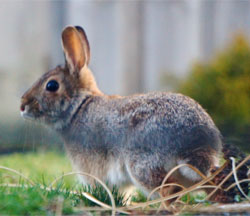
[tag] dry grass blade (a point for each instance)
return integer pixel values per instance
(172, 171)
(236, 179)
(218, 209)
(228, 176)
(113, 208)
(198, 188)
(18, 173)
(93, 199)
(159, 187)
(96, 209)
(178, 167)
(234, 184)
(165, 185)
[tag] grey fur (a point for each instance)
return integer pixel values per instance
(124, 140)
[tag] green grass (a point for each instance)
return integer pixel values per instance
(42, 168)
(37, 201)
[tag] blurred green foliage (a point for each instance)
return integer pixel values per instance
(222, 87)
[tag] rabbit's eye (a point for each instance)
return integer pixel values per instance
(52, 86)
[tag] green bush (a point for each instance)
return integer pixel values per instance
(222, 87)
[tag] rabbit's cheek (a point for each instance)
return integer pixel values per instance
(48, 104)
(64, 105)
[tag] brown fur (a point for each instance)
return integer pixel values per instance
(88, 82)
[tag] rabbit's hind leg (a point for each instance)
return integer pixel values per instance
(145, 174)
(149, 174)
(203, 159)
(147, 177)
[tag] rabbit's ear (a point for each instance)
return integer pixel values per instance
(85, 42)
(74, 53)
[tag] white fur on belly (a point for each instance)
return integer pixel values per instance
(116, 174)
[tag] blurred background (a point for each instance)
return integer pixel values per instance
(197, 47)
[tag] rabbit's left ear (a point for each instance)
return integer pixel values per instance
(75, 54)
(85, 42)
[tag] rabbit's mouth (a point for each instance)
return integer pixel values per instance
(28, 114)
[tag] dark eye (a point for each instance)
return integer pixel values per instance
(52, 86)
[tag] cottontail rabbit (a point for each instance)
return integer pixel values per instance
(123, 140)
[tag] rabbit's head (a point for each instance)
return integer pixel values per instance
(55, 97)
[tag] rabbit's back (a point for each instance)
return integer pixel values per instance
(162, 122)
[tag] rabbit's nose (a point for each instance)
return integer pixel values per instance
(24, 103)
(22, 107)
